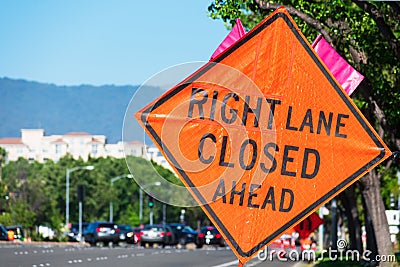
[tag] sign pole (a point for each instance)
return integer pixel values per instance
(321, 231)
(80, 222)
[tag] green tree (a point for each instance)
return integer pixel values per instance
(367, 35)
(3, 154)
(3, 187)
(34, 193)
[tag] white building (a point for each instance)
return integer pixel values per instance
(155, 155)
(34, 145)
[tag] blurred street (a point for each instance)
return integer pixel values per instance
(36, 255)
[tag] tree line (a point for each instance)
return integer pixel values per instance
(33, 194)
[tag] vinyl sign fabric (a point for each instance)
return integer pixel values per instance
(345, 74)
(263, 135)
(235, 34)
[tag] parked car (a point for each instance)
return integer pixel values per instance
(156, 234)
(124, 230)
(73, 235)
(184, 234)
(3, 233)
(17, 230)
(105, 232)
(134, 236)
(209, 235)
(308, 243)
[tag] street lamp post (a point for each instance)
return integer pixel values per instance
(164, 213)
(141, 199)
(130, 176)
(68, 172)
(182, 217)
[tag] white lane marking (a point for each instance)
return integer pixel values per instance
(41, 264)
(122, 256)
(235, 262)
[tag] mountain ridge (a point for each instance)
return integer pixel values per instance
(61, 109)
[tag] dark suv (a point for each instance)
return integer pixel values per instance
(105, 232)
(209, 235)
(184, 234)
(3, 233)
(73, 235)
(126, 231)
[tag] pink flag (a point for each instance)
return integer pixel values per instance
(344, 73)
(235, 34)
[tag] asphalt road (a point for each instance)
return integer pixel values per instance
(74, 255)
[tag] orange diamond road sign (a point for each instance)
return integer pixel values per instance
(263, 135)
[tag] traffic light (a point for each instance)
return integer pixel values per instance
(150, 202)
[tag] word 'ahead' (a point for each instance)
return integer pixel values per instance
(263, 135)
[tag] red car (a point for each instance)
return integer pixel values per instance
(308, 244)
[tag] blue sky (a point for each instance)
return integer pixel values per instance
(121, 42)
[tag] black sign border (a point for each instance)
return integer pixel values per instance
(206, 68)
